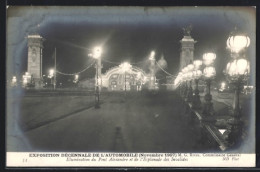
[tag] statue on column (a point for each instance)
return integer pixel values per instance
(187, 30)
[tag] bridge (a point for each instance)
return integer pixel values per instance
(158, 121)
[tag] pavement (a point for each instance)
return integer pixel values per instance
(139, 122)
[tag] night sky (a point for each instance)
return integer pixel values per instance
(124, 33)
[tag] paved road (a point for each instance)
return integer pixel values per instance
(138, 123)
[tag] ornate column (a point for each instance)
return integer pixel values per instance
(34, 67)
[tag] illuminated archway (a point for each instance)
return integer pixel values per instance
(115, 79)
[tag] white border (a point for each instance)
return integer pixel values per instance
(64, 159)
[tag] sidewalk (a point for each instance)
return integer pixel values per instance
(222, 109)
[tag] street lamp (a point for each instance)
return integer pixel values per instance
(237, 72)
(26, 79)
(76, 79)
(196, 103)
(125, 67)
(14, 81)
(185, 85)
(51, 75)
(97, 55)
(189, 95)
(178, 80)
(152, 68)
(152, 55)
(238, 43)
(209, 73)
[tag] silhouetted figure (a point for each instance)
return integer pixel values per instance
(119, 143)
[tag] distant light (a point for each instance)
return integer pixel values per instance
(51, 72)
(197, 64)
(138, 75)
(209, 72)
(223, 85)
(208, 58)
(152, 55)
(145, 78)
(125, 66)
(190, 67)
(25, 81)
(14, 80)
(97, 52)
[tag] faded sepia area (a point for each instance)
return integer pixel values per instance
(130, 79)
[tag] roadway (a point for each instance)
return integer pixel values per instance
(140, 122)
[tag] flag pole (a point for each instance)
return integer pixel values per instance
(54, 84)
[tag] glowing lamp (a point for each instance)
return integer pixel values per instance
(51, 72)
(190, 67)
(209, 72)
(14, 80)
(138, 75)
(208, 58)
(145, 78)
(125, 66)
(185, 70)
(238, 43)
(189, 75)
(25, 80)
(97, 52)
(197, 64)
(223, 85)
(238, 67)
(152, 56)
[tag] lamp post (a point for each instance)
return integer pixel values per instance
(196, 103)
(152, 59)
(177, 82)
(185, 85)
(189, 78)
(26, 79)
(14, 81)
(209, 73)
(51, 75)
(237, 72)
(76, 79)
(97, 55)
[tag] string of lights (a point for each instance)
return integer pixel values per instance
(72, 74)
(164, 70)
(104, 60)
(112, 62)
